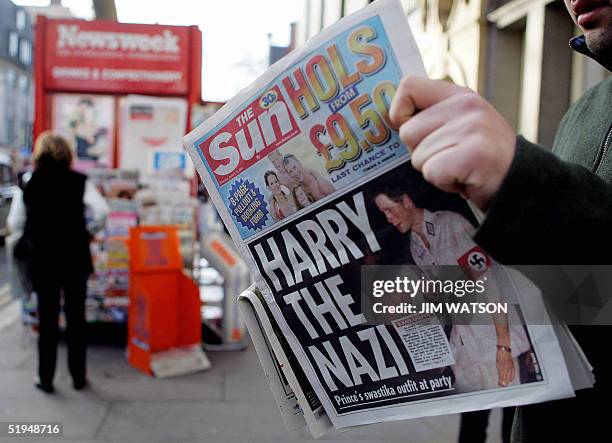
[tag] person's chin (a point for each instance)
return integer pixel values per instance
(599, 41)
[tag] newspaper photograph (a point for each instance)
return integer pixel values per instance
(317, 191)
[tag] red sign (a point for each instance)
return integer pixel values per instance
(104, 56)
(259, 129)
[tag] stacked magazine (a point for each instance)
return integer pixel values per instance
(318, 193)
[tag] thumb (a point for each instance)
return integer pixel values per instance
(417, 93)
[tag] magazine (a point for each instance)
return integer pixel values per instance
(318, 193)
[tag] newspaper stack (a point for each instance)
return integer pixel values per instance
(314, 187)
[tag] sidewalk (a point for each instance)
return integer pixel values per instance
(229, 403)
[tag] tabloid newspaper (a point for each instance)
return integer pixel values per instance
(315, 186)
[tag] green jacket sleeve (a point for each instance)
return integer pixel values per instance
(548, 211)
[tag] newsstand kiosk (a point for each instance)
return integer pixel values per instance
(123, 95)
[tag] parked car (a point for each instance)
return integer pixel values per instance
(8, 185)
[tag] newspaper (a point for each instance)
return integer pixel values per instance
(307, 174)
(295, 397)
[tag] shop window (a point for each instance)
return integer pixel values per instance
(10, 79)
(20, 21)
(25, 52)
(13, 48)
(23, 83)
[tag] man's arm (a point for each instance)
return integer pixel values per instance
(548, 211)
(503, 356)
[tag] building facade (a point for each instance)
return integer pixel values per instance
(513, 52)
(16, 86)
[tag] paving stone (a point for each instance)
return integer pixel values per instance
(239, 387)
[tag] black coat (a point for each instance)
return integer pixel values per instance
(55, 224)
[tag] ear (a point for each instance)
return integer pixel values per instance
(406, 201)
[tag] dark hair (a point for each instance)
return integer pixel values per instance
(394, 193)
(288, 157)
(405, 180)
(268, 174)
(295, 199)
(86, 101)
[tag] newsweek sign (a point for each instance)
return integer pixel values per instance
(104, 56)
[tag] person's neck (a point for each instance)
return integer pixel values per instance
(51, 168)
(417, 227)
(418, 221)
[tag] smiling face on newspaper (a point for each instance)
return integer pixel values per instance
(313, 183)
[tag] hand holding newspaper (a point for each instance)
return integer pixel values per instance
(318, 193)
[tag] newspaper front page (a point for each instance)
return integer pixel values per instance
(307, 174)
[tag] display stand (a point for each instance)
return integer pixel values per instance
(219, 250)
(164, 332)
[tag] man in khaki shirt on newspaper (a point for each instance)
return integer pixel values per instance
(486, 355)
